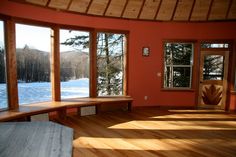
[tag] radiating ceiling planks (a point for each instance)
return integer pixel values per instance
(132, 9)
(183, 10)
(115, 8)
(38, 2)
(79, 6)
(160, 10)
(98, 7)
(59, 4)
(166, 10)
(200, 10)
(219, 9)
(232, 10)
(149, 9)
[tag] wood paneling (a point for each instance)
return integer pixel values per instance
(161, 10)
(183, 10)
(115, 8)
(232, 11)
(59, 4)
(98, 7)
(38, 2)
(200, 10)
(166, 10)
(219, 9)
(10, 42)
(151, 132)
(79, 5)
(132, 9)
(149, 9)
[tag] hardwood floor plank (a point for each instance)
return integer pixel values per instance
(151, 132)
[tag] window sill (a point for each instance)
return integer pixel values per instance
(177, 90)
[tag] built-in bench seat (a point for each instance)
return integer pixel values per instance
(61, 107)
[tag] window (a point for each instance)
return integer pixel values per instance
(178, 65)
(74, 63)
(3, 84)
(33, 63)
(110, 64)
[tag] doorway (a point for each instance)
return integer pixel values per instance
(213, 78)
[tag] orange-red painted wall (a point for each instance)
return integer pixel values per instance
(143, 79)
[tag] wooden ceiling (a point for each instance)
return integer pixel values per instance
(154, 10)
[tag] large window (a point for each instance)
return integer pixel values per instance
(74, 63)
(178, 65)
(3, 85)
(33, 63)
(110, 64)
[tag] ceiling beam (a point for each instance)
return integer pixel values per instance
(190, 14)
(91, 1)
(123, 11)
(173, 14)
(68, 7)
(158, 9)
(108, 4)
(209, 10)
(228, 10)
(141, 9)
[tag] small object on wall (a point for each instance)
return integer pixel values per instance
(146, 51)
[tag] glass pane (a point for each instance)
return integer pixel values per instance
(74, 63)
(168, 77)
(3, 85)
(213, 67)
(181, 76)
(215, 45)
(110, 63)
(178, 53)
(33, 63)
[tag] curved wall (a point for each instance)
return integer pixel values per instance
(143, 79)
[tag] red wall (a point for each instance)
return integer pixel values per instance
(143, 80)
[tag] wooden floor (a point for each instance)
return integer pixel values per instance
(153, 133)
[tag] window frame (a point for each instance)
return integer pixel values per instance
(2, 19)
(125, 60)
(191, 65)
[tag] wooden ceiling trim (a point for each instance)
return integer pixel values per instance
(232, 12)
(123, 11)
(209, 10)
(200, 10)
(149, 9)
(173, 14)
(219, 10)
(79, 6)
(69, 5)
(37, 2)
(91, 1)
(158, 9)
(108, 4)
(115, 8)
(190, 15)
(59, 4)
(183, 10)
(230, 4)
(142, 7)
(132, 9)
(98, 7)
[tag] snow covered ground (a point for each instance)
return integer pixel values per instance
(41, 91)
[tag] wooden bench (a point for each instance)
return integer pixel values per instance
(25, 111)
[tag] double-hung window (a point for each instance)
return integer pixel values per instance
(178, 62)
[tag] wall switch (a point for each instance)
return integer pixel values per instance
(158, 74)
(145, 97)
